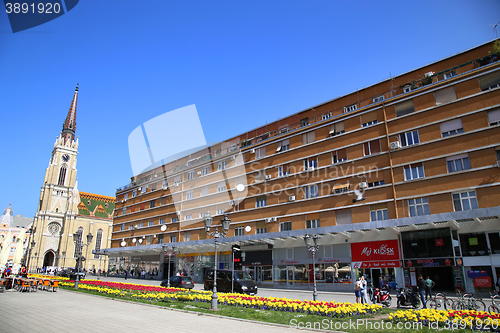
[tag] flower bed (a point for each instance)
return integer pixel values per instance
(153, 293)
(451, 319)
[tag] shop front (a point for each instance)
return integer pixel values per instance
(195, 264)
(259, 264)
(377, 259)
(446, 273)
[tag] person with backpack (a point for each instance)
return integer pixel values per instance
(357, 290)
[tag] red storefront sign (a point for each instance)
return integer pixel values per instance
(376, 264)
(375, 251)
(482, 282)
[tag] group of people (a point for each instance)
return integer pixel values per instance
(23, 272)
(360, 289)
(424, 288)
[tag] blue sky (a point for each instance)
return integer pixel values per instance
(243, 63)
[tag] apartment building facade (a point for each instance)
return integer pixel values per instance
(398, 179)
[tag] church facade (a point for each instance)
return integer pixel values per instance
(64, 212)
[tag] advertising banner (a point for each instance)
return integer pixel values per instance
(375, 251)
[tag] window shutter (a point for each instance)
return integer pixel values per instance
(489, 80)
(344, 216)
(494, 116)
(451, 125)
(404, 108)
(445, 95)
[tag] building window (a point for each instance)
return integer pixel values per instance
(124, 211)
(377, 183)
(452, 127)
(130, 227)
(494, 117)
(177, 180)
(189, 195)
(132, 208)
(304, 122)
(204, 191)
(207, 214)
(326, 116)
(311, 191)
(163, 201)
(221, 165)
(310, 163)
(143, 189)
(344, 188)
(414, 171)
(141, 224)
(378, 99)
(173, 239)
(205, 171)
(122, 227)
(284, 170)
(160, 239)
(62, 175)
(350, 108)
(419, 207)
(175, 219)
(134, 193)
(312, 224)
(404, 108)
(162, 221)
(372, 147)
(407, 88)
(152, 204)
(409, 138)
(286, 226)
(239, 231)
(444, 96)
(283, 145)
(221, 187)
(379, 213)
(260, 201)
(373, 122)
(221, 211)
(150, 223)
(188, 217)
(142, 206)
(261, 230)
(490, 81)
(339, 156)
(187, 236)
(260, 152)
(465, 201)
(337, 128)
(308, 137)
(190, 175)
(458, 163)
(125, 196)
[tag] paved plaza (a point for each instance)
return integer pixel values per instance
(66, 311)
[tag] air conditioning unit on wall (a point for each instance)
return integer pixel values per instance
(292, 198)
(395, 145)
(268, 177)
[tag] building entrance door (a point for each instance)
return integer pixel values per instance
(258, 275)
(289, 275)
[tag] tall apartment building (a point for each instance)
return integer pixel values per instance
(398, 179)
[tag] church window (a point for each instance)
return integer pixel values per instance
(98, 243)
(78, 248)
(62, 175)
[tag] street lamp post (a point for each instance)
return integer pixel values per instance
(225, 227)
(80, 245)
(29, 255)
(313, 249)
(169, 254)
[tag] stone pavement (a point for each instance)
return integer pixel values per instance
(65, 311)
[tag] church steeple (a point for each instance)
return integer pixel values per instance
(69, 126)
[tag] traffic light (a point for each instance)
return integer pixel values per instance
(237, 257)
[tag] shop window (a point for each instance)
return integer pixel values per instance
(473, 244)
(465, 201)
(418, 207)
(409, 138)
(494, 238)
(414, 171)
(458, 163)
(435, 243)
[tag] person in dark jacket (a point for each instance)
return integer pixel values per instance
(422, 285)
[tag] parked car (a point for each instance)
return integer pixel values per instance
(179, 282)
(242, 282)
(71, 273)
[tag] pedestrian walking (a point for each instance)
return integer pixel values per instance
(429, 284)
(421, 289)
(357, 290)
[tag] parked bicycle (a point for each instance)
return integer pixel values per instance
(468, 302)
(494, 307)
(440, 301)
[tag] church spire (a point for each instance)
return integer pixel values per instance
(69, 126)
